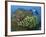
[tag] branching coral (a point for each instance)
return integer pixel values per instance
(28, 22)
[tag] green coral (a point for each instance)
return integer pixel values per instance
(28, 22)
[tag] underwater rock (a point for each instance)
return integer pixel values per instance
(21, 14)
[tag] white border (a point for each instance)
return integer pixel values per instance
(24, 32)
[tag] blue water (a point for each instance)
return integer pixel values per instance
(35, 9)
